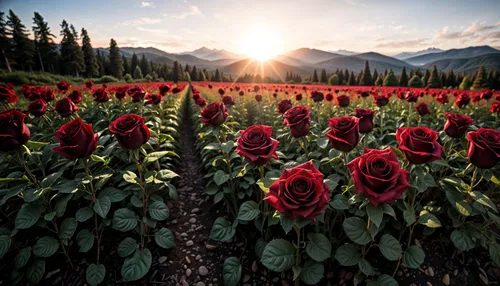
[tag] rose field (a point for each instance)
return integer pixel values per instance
(202, 183)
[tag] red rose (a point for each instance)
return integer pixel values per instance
(37, 107)
(411, 97)
(153, 99)
(47, 94)
(298, 119)
(317, 96)
(214, 114)
(258, 97)
(484, 147)
(462, 100)
(201, 102)
(65, 107)
(26, 89)
(101, 95)
(121, 92)
(256, 145)
(137, 93)
(442, 98)
(365, 119)
(419, 144)
(7, 95)
(344, 133)
(221, 92)
(456, 124)
(299, 192)
(89, 84)
(495, 107)
(13, 131)
(381, 100)
(164, 89)
(176, 90)
(75, 96)
(241, 93)
(329, 97)
(487, 95)
(378, 176)
(63, 86)
(284, 105)
(228, 100)
(343, 100)
(77, 140)
(130, 131)
(422, 109)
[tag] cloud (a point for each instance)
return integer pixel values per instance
(476, 27)
(321, 43)
(355, 3)
(154, 31)
(371, 27)
(192, 11)
(134, 42)
(491, 37)
(146, 4)
(402, 44)
(446, 34)
(141, 21)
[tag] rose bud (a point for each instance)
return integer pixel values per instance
(201, 102)
(210, 86)
(63, 86)
(298, 120)
(121, 92)
(77, 140)
(195, 96)
(484, 147)
(221, 92)
(365, 119)
(258, 97)
(130, 131)
(378, 176)
(89, 84)
(176, 90)
(317, 96)
(101, 95)
(137, 93)
(298, 96)
(65, 107)
(329, 97)
(344, 133)
(299, 192)
(47, 95)
(381, 100)
(7, 95)
(153, 99)
(284, 105)
(75, 96)
(214, 114)
(163, 89)
(256, 145)
(13, 131)
(422, 109)
(343, 100)
(462, 100)
(456, 124)
(228, 100)
(37, 107)
(419, 144)
(241, 93)
(495, 107)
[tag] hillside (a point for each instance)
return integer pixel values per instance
(405, 55)
(357, 63)
(451, 54)
(270, 68)
(311, 56)
(468, 65)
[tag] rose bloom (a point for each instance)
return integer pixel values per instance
(378, 176)
(411, 97)
(137, 93)
(456, 124)
(63, 86)
(201, 102)
(365, 94)
(284, 105)
(344, 133)
(163, 89)
(299, 192)
(298, 97)
(258, 97)
(329, 97)
(298, 120)
(256, 145)
(153, 99)
(228, 100)
(221, 91)
(101, 95)
(422, 109)
(241, 93)
(75, 96)
(65, 107)
(419, 144)
(121, 92)
(343, 100)
(495, 107)
(365, 119)
(7, 95)
(462, 100)
(275, 95)
(442, 98)
(381, 100)
(317, 96)
(484, 147)
(130, 131)
(77, 140)
(13, 130)
(37, 107)
(196, 96)
(26, 89)
(89, 84)
(214, 114)
(48, 95)
(487, 95)
(256, 88)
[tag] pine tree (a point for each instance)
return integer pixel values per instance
(101, 63)
(352, 79)
(379, 81)
(403, 78)
(144, 64)
(341, 78)
(201, 76)
(442, 76)
(481, 80)
(333, 80)
(434, 80)
(74, 32)
(450, 78)
(346, 77)
(491, 80)
(415, 81)
(426, 77)
(375, 74)
(91, 66)
(324, 78)
(465, 85)
(134, 62)
(177, 72)
(366, 80)
(137, 73)
(194, 74)
(22, 47)
(187, 68)
(217, 76)
(45, 47)
(390, 79)
(126, 66)
(115, 60)
(315, 76)
(5, 44)
(72, 60)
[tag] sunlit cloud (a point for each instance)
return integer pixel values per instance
(355, 3)
(146, 4)
(476, 27)
(192, 11)
(402, 44)
(141, 21)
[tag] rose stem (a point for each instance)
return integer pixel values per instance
(144, 229)
(92, 192)
(297, 253)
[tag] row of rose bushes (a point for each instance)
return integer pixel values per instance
(85, 172)
(349, 179)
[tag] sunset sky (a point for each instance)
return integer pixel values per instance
(387, 26)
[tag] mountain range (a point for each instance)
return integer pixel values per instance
(303, 61)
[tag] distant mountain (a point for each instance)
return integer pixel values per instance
(357, 63)
(343, 52)
(311, 56)
(290, 60)
(270, 68)
(213, 54)
(405, 55)
(451, 54)
(468, 65)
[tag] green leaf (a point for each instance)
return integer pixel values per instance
(348, 255)
(68, 228)
(376, 214)
(319, 247)
(386, 280)
(366, 267)
(165, 238)
(355, 228)
(100, 159)
(259, 247)
(166, 174)
(124, 220)
(278, 255)
(409, 215)
(414, 257)
(95, 274)
(4, 244)
(296, 272)
(61, 204)
(462, 240)
(136, 266)
(390, 247)
(231, 271)
(227, 146)
(322, 142)
(22, 257)
(340, 202)
(113, 194)
(458, 201)
(422, 179)
(159, 210)
(130, 177)
(265, 184)
(27, 216)
(51, 179)
(127, 247)
(312, 272)
(286, 222)
(102, 206)
(83, 214)
(45, 247)
(85, 240)
(428, 219)
(389, 210)
(494, 250)
(222, 230)
(35, 271)
(34, 145)
(248, 211)
(483, 199)
(151, 157)
(221, 177)
(66, 186)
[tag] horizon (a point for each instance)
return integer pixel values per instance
(184, 26)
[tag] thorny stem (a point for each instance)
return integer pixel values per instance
(144, 229)
(28, 170)
(94, 199)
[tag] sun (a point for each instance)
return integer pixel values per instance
(260, 43)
